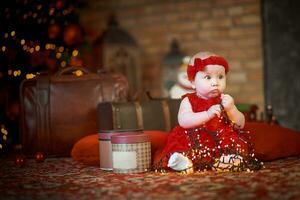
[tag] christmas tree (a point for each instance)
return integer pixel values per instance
(35, 36)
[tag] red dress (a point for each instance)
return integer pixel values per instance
(206, 143)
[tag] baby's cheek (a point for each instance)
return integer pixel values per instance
(223, 85)
(222, 88)
(203, 89)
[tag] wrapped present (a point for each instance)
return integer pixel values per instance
(105, 147)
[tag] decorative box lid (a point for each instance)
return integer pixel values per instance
(129, 138)
(107, 134)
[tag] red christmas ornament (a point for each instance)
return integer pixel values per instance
(20, 160)
(72, 34)
(54, 31)
(39, 157)
(59, 4)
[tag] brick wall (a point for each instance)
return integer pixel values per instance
(231, 28)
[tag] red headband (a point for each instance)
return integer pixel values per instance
(200, 64)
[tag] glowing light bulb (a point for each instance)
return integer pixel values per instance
(30, 76)
(37, 48)
(78, 73)
(63, 63)
(48, 46)
(61, 49)
(3, 131)
(58, 55)
(75, 53)
(31, 50)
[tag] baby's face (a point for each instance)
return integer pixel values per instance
(211, 82)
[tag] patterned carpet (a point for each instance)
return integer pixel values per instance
(66, 179)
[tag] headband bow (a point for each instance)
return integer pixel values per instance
(200, 64)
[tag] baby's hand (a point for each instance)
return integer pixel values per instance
(179, 162)
(227, 102)
(214, 110)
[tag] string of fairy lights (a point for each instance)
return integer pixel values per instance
(205, 152)
(31, 47)
(3, 137)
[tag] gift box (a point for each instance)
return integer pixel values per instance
(105, 146)
(131, 153)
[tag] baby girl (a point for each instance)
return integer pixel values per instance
(210, 133)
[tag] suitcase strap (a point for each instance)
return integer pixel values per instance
(42, 113)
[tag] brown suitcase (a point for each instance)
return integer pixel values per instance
(57, 110)
(147, 115)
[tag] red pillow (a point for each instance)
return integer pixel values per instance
(86, 150)
(272, 141)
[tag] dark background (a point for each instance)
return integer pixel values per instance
(281, 25)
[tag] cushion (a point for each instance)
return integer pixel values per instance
(270, 142)
(273, 141)
(86, 150)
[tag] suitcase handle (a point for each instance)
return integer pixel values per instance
(68, 70)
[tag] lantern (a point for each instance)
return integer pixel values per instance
(116, 51)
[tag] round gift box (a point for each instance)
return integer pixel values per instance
(105, 147)
(131, 153)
